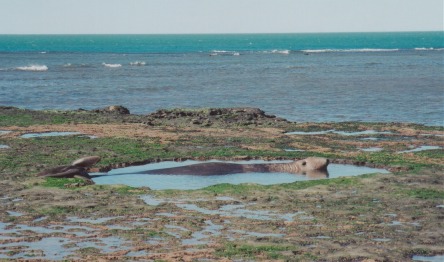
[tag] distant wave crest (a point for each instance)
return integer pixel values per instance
(224, 52)
(35, 68)
(350, 50)
(111, 65)
(138, 63)
(69, 65)
(282, 52)
(428, 49)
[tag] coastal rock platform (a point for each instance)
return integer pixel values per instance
(375, 217)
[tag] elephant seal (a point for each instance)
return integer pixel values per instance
(315, 167)
(76, 169)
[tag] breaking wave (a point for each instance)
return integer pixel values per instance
(35, 68)
(282, 52)
(111, 65)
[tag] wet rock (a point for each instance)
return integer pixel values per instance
(196, 122)
(116, 109)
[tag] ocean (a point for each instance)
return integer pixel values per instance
(329, 77)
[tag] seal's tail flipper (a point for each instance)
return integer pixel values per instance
(86, 161)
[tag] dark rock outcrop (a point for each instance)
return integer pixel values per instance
(213, 117)
(116, 109)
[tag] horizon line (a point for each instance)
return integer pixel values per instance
(240, 33)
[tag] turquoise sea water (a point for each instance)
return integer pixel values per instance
(208, 43)
(302, 77)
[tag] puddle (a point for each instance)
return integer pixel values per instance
(229, 210)
(372, 139)
(399, 223)
(14, 214)
(372, 149)
(397, 138)
(257, 234)
(224, 198)
(322, 237)
(4, 132)
(165, 214)
(175, 231)
(128, 177)
(39, 219)
(104, 244)
(4, 147)
(382, 239)
(45, 134)
(89, 220)
(421, 148)
(52, 229)
(240, 210)
(342, 133)
(51, 247)
(150, 200)
(438, 258)
(136, 254)
(201, 237)
(293, 150)
(439, 135)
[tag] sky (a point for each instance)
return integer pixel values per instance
(218, 16)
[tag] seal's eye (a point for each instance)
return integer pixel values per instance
(304, 163)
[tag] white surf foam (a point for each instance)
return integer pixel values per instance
(138, 63)
(424, 49)
(35, 68)
(224, 52)
(350, 50)
(111, 65)
(282, 52)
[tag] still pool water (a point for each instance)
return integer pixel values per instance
(126, 176)
(429, 258)
(45, 134)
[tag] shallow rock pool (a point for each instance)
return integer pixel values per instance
(128, 177)
(46, 134)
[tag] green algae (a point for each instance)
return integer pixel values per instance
(61, 182)
(424, 193)
(232, 250)
(340, 207)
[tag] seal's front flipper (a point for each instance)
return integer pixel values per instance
(65, 171)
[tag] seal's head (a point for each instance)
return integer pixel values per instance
(312, 163)
(86, 161)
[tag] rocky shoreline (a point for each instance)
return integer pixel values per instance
(378, 217)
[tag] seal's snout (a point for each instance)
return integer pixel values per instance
(327, 161)
(322, 163)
